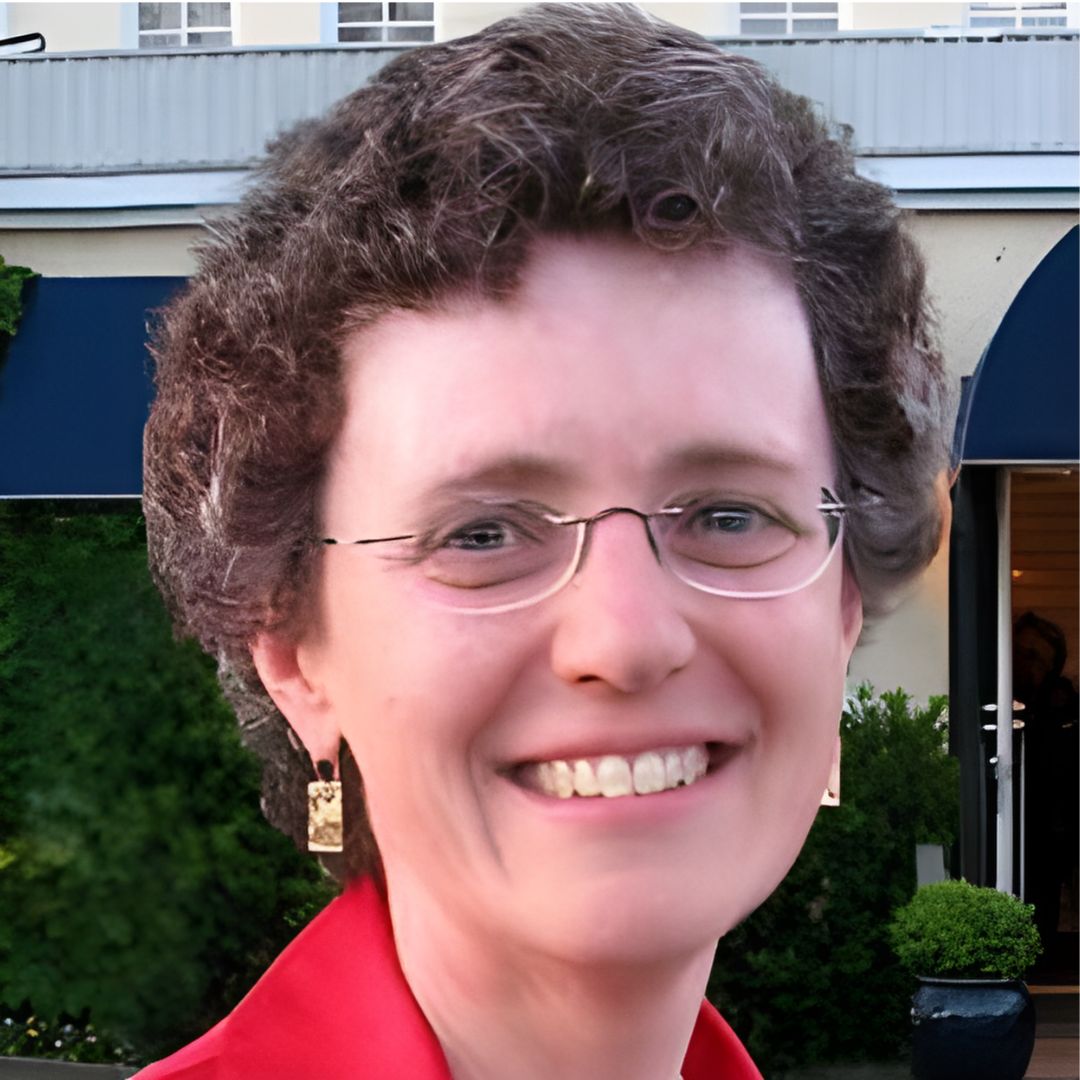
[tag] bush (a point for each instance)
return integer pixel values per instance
(953, 930)
(11, 286)
(810, 977)
(140, 888)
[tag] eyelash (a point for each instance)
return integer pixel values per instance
(737, 503)
(436, 537)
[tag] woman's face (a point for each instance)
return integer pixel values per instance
(616, 377)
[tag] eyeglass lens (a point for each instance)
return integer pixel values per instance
(487, 556)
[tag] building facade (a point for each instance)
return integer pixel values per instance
(77, 27)
(139, 121)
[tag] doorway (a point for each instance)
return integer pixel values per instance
(1045, 562)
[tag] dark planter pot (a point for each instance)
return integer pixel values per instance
(971, 1029)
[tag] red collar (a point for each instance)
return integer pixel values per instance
(317, 1013)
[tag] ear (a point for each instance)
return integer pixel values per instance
(289, 675)
(851, 611)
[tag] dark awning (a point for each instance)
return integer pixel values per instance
(75, 388)
(1021, 403)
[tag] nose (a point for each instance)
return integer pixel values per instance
(618, 625)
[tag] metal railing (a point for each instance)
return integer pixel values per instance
(22, 44)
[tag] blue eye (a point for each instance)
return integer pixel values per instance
(480, 536)
(478, 549)
(725, 519)
(725, 531)
(475, 528)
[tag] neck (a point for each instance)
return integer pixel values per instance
(501, 1011)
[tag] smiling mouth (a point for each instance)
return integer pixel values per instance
(615, 776)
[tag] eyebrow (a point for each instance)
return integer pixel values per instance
(531, 470)
(509, 471)
(719, 455)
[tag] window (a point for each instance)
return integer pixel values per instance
(1011, 16)
(386, 23)
(788, 18)
(169, 26)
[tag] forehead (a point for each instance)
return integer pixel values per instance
(609, 360)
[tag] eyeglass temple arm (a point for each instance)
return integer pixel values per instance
(830, 504)
(350, 543)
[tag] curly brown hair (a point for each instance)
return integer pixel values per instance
(435, 178)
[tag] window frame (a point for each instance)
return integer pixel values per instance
(384, 25)
(184, 29)
(787, 19)
(1017, 12)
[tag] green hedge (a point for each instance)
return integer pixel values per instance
(810, 977)
(141, 891)
(140, 888)
(955, 930)
(12, 279)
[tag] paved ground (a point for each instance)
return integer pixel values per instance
(1057, 1042)
(40, 1069)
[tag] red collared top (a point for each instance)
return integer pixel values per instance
(317, 1014)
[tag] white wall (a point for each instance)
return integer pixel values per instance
(69, 27)
(151, 251)
(716, 20)
(458, 19)
(886, 16)
(976, 263)
(275, 24)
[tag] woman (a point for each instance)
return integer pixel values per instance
(540, 433)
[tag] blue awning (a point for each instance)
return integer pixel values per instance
(1021, 403)
(75, 387)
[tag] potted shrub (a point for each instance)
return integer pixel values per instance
(969, 947)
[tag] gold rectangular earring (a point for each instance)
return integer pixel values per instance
(325, 823)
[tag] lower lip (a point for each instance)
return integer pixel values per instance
(661, 806)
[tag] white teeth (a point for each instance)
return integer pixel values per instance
(563, 779)
(695, 763)
(545, 779)
(673, 770)
(614, 776)
(648, 774)
(585, 782)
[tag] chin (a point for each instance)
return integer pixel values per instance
(652, 922)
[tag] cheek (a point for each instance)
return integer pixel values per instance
(796, 662)
(795, 667)
(415, 692)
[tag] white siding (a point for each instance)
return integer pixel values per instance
(191, 109)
